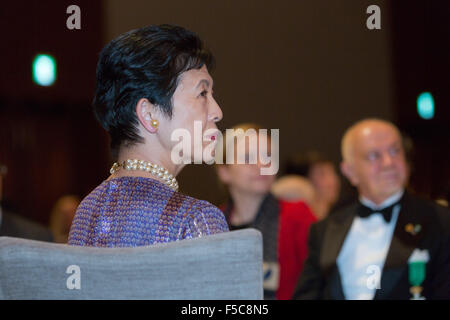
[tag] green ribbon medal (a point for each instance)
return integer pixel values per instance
(416, 272)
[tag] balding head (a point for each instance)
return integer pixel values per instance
(361, 128)
(373, 158)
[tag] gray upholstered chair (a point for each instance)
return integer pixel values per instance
(221, 266)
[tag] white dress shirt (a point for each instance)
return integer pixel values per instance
(363, 253)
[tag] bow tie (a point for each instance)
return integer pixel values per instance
(364, 211)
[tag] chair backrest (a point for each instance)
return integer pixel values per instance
(216, 267)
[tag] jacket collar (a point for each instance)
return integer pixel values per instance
(402, 245)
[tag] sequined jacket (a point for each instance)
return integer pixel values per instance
(137, 211)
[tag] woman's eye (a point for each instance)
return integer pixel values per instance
(204, 93)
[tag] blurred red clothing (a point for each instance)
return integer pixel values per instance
(294, 221)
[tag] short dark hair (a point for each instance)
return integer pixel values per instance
(143, 63)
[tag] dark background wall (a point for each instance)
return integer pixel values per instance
(421, 61)
(308, 68)
(49, 139)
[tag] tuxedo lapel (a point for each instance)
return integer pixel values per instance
(402, 245)
(335, 234)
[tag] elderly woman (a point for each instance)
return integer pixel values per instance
(150, 82)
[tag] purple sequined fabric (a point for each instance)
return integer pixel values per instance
(137, 211)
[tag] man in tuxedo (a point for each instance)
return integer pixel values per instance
(366, 250)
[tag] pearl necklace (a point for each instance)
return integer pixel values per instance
(158, 171)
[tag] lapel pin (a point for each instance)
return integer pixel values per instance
(413, 229)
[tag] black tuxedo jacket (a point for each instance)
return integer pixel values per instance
(320, 278)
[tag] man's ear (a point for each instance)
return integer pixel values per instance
(348, 170)
(223, 173)
(144, 112)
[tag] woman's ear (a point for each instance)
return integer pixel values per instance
(144, 111)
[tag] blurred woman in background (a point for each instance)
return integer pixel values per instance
(322, 176)
(61, 217)
(284, 225)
